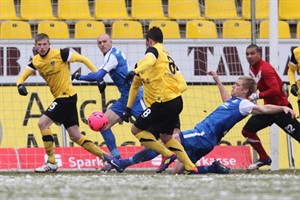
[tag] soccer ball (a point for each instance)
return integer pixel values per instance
(97, 121)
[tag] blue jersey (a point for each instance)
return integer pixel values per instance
(116, 65)
(208, 133)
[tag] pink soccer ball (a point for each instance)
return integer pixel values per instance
(97, 121)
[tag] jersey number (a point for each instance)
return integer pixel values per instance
(172, 66)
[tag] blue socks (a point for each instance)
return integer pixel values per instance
(110, 142)
(141, 156)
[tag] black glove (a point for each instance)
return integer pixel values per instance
(75, 76)
(126, 115)
(294, 90)
(129, 77)
(101, 85)
(22, 90)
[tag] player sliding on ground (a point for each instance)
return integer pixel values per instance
(201, 140)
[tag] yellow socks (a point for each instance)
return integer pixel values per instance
(148, 140)
(90, 146)
(48, 144)
(175, 146)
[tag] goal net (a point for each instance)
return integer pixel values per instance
(20, 139)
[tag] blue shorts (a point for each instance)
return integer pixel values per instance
(194, 144)
(120, 105)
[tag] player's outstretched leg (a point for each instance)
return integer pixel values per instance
(110, 142)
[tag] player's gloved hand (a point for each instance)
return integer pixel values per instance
(126, 115)
(76, 75)
(129, 77)
(101, 86)
(253, 97)
(294, 90)
(22, 90)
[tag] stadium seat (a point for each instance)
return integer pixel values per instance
(289, 9)
(184, 10)
(110, 10)
(15, 30)
(236, 29)
(36, 10)
(220, 9)
(8, 10)
(201, 29)
(170, 29)
(298, 30)
(125, 29)
(262, 9)
(54, 29)
(283, 29)
(153, 9)
(88, 29)
(73, 9)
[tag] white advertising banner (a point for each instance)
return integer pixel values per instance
(193, 57)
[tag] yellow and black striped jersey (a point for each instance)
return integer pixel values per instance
(54, 68)
(159, 76)
(294, 65)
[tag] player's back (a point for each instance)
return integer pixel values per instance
(161, 82)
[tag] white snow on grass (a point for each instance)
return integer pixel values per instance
(138, 186)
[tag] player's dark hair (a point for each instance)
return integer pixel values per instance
(155, 34)
(257, 48)
(41, 36)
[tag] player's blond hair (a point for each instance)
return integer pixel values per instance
(248, 83)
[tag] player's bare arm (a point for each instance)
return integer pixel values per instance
(272, 109)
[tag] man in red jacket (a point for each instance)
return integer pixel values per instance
(269, 86)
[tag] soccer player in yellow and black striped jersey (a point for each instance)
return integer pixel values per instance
(52, 64)
(294, 67)
(162, 83)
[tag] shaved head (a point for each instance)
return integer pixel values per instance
(104, 43)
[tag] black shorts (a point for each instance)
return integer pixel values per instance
(284, 121)
(161, 118)
(64, 111)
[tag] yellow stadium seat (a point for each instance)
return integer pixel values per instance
(125, 29)
(220, 9)
(289, 9)
(89, 29)
(184, 9)
(73, 9)
(110, 9)
(152, 9)
(298, 30)
(36, 10)
(283, 29)
(236, 29)
(170, 29)
(54, 29)
(262, 8)
(8, 10)
(15, 30)
(201, 29)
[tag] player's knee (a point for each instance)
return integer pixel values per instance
(247, 134)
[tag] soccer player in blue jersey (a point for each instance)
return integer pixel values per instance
(201, 140)
(116, 65)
